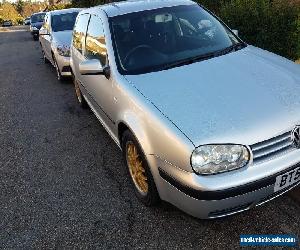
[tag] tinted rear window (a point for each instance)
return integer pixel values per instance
(37, 18)
(63, 21)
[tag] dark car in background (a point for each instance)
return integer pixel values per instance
(27, 21)
(7, 23)
(36, 22)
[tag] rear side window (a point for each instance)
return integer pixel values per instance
(80, 31)
(95, 47)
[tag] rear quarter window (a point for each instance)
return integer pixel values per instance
(79, 32)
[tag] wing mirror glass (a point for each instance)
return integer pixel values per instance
(43, 32)
(91, 67)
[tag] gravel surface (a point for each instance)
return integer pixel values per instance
(63, 184)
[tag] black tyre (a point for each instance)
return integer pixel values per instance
(46, 61)
(139, 170)
(82, 102)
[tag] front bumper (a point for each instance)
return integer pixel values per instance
(204, 199)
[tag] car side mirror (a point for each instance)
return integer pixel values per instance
(43, 32)
(236, 32)
(91, 67)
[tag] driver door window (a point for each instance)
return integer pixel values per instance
(98, 86)
(95, 47)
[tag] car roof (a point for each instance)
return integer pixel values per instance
(38, 13)
(64, 11)
(125, 7)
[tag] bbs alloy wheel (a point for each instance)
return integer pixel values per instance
(82, 102)
(139, 170)
(136, 168)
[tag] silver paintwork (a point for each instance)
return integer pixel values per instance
(243, 97)
(90, 67)
(50, 40)
(250, 89)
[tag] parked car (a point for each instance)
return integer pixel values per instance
(27, 21)
(55, 39)
(7, 23)
(36, 22)
(204, 120)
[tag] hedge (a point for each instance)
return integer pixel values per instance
(273, 25)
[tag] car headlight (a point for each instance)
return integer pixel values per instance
(63, 50)
(213, 159)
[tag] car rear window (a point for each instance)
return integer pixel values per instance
(63, 22)
(37, 18)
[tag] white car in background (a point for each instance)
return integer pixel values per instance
(55, 39)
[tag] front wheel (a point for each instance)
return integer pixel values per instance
(82, 102)
(139, 171)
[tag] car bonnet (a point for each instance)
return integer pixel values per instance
(243, 97)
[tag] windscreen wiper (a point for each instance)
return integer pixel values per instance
(189, 60)
(207, 56)
(231, 48)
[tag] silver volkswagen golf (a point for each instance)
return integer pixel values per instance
(204, 120)
(55, 38)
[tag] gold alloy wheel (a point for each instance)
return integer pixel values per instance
(136, 168)
(57, 70)
(77, 90)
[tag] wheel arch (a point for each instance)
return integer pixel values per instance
(140, 134)
(133, 124)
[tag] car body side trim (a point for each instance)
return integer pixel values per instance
(226, 193)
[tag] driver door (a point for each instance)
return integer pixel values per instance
(98, 87)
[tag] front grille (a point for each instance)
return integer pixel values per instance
(268, 149)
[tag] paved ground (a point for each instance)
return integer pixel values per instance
(62, 183)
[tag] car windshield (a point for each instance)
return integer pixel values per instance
(155, 40)
(37, 18)
(61, 22)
